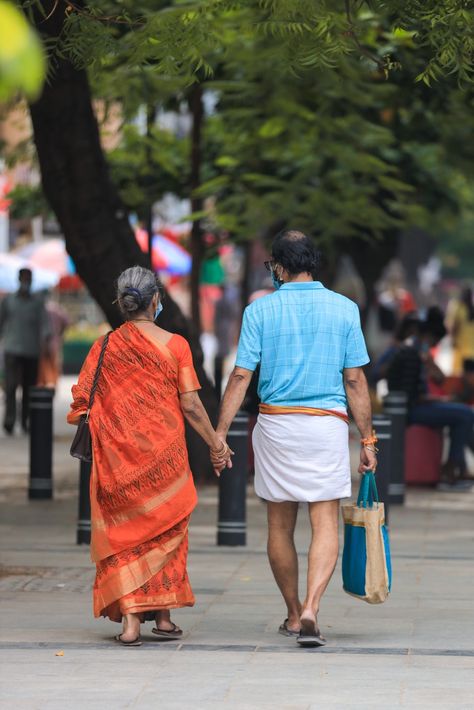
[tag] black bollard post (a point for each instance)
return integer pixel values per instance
(218, 368)
(395, 405)
(232, 525)
(41, 443)
(84, 519)
(383, 427)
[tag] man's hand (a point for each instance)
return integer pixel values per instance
(368, 460)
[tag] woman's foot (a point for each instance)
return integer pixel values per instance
(163, 621)
(131, 628)
(165, 629)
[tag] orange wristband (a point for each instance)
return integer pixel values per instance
(370, 440)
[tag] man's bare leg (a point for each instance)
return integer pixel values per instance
(322, 556)
(283, 558)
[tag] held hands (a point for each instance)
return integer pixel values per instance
(221, 456)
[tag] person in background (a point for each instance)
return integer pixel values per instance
(410, 370)
(460, 323)
(310, 347)
(50, 365)
(25, 330)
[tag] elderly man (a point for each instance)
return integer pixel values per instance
(310, 348)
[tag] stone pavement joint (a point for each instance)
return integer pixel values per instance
(241, 648)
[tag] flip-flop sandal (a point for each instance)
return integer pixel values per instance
(285, 631)
(135, 642)
(310, 635)
(173, 634)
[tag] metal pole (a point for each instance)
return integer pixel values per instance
(383, 427)
(41, 443)
(218, 367)
(84, 519)
(232, 525)
(395, 405)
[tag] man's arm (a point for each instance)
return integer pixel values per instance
(233, 397)
(357, 391)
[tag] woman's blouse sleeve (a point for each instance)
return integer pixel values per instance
(187, 377)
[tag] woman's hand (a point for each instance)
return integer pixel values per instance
(220, 456)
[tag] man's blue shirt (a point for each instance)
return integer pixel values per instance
(303, 336)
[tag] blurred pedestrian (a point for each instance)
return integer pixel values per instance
(50, 365)
(225, 329)
(309, 344)
(25, 329)
(460, 323)
(410, 371)
(142, 489)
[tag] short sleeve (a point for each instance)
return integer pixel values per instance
(250, 342)
(187, 377)
(356, 350)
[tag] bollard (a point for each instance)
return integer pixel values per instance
(84, 519)
(218, 369)
(395, 405)
(383, 427)
(231, 525)
(41, 443)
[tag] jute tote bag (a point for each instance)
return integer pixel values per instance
(366, 563)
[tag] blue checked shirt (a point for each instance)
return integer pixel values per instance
(303, 336)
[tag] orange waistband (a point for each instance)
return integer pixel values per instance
(313, 411)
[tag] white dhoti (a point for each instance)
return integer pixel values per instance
(300, 457)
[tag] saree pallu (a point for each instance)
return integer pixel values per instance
(142, 490)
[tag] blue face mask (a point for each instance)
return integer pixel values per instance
(159, 308)
(276, 281)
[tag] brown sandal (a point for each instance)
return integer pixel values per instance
(310, 635)
(285, 631)
(134, 642)
(173, 634)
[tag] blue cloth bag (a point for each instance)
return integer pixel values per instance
(366, 562)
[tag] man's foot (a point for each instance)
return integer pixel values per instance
(8, 429)
(310, 634)
(286, 629)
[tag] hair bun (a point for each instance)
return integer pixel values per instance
(131, 299)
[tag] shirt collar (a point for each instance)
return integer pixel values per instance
(302, 285)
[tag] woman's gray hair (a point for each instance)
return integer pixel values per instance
(135, 290)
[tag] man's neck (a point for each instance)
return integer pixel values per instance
(300, 278)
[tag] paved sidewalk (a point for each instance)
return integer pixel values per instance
(414, 651)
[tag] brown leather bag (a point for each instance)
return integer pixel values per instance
(81, 447)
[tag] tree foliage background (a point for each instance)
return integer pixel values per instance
(349, 119)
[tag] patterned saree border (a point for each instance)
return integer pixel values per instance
(98, 523)
(133, 575)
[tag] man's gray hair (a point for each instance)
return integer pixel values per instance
(135, 289)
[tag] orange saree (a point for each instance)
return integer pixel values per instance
(142, 490)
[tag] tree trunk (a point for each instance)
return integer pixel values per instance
(77, 184)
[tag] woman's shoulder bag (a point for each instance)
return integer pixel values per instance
(81, 447)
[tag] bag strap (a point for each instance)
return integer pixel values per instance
(97, 373)
(368, 493)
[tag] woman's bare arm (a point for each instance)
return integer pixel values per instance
(196, 415)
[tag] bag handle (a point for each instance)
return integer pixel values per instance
(97, 374)
(368, 493)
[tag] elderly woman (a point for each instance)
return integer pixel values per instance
(142, 490)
